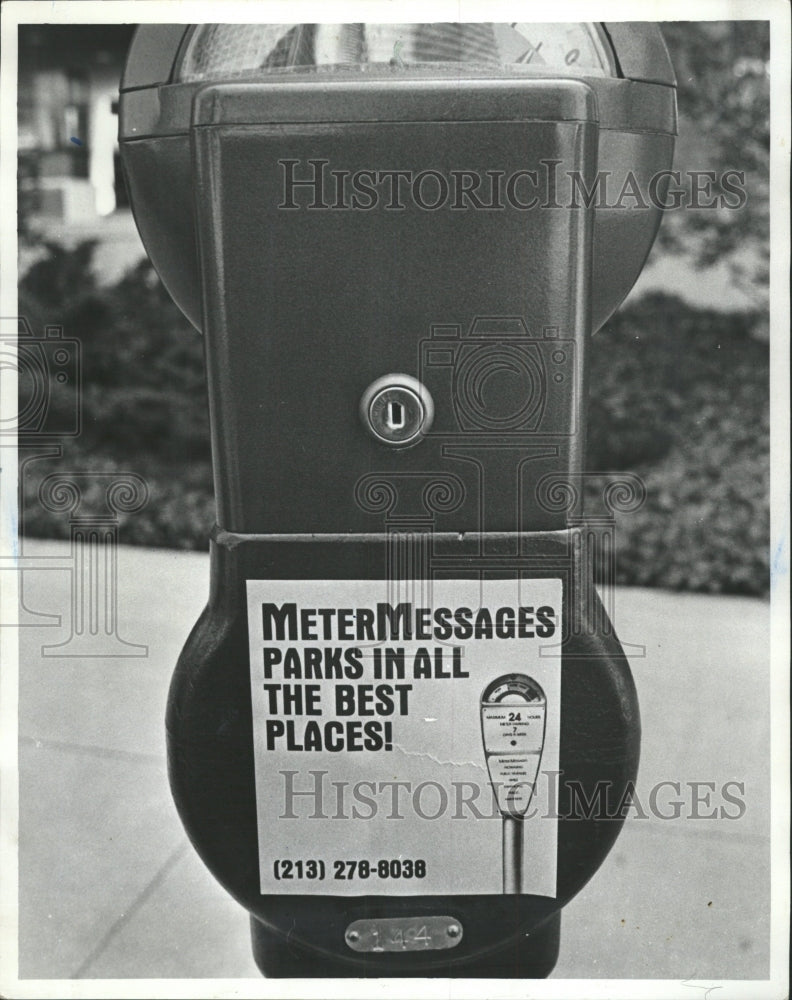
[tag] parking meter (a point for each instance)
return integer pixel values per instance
(397, 241)
(513, 727)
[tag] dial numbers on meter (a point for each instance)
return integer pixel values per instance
(513, 728)
(573, 47)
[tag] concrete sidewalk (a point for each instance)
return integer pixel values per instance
(109, 886)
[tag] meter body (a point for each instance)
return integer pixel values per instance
(394, 244)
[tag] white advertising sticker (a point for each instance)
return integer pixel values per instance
(395, 738)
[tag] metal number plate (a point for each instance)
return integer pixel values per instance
(404, 934)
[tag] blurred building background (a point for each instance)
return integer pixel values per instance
(71, 185)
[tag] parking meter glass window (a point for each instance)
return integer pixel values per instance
(221, 50)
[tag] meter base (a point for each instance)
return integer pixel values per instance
(211, 762)
(532, 958)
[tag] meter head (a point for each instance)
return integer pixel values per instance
(393, 238)
(625, 65)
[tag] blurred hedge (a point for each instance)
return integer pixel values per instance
(144, 406)
(678, 396)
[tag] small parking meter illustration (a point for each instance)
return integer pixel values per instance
(513, 727)
(397, 241)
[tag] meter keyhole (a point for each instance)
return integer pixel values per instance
(394, 416)
(397, 409)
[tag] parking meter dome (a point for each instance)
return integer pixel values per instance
(625, 65)
(216, 50)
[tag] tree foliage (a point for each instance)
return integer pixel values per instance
(722, 70)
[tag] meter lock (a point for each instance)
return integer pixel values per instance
(513, 710)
